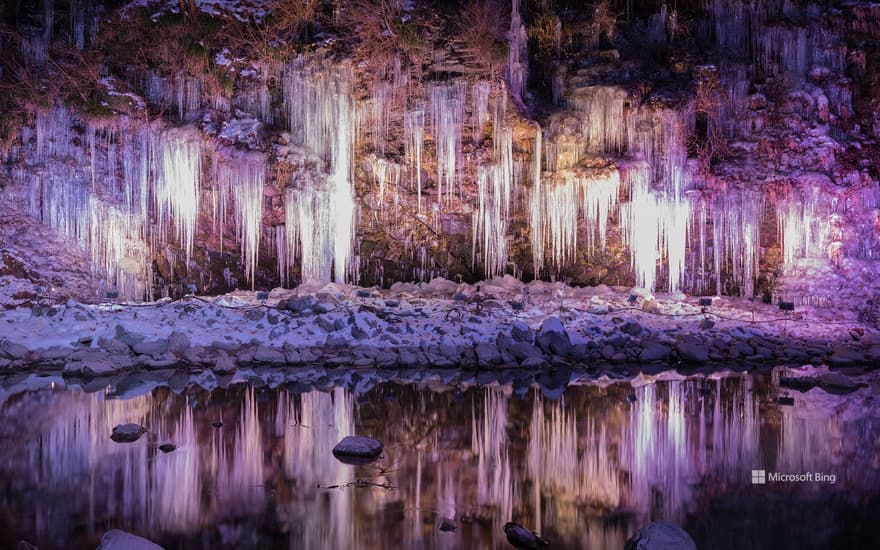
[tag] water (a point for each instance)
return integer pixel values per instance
(586, 465)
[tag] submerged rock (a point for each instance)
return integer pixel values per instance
(116, 539)
(127, 433)
(522, 538)
(661, 535)
(354, 449)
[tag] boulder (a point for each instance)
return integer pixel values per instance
(268, 355)
(127, 433)
(299, 305)
(487, 354)
(116, 539)
(355, 449)
(156, 347)
(115, 346)
(552, 337)
(692, 352)
(654, 351)
(178, 343)
(661, 535)
(224, 364)
(632, 328)
(13, 350)
(521, 332)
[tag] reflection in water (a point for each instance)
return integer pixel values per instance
(587, 469)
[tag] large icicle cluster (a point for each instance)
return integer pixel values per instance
(321, 116)
(241, 177)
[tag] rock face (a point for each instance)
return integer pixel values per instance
(127, 433)
(661, 535)
(116, 539)
(357, 449)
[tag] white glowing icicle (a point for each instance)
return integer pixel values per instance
(447, 120)
(341, 189)
(242, 176)
(557, 208)
(605, 125)
(536, 205)
(736, 238)
(381, 98)
(176, 192)
(491, 220)
(321, 116)
(480, 113)
(655, 227)
(803, 231)
(414, 138)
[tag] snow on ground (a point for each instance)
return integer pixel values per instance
(497, 323)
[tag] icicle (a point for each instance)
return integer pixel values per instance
(177, 190)
(495, 185)
(447, 120)
(242, 175)
(536, 206)
(414, 136)
(736, 238)
(593, 197)
(605, 126)
(655, 227)
(381, 97)
(117, 250)
(321, 116)
(480, 101)
(803, 230)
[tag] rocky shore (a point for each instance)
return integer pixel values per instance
(501, 323)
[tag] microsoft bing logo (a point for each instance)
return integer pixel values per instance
(759, 477)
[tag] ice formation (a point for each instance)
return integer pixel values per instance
(241, 176)
(446, 108)
(321, 117)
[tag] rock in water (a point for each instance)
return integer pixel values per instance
(167, 447)
(127, 433)
(355, 449)
(116, 539)
(661, 535)
(447, 525)
(522, 538)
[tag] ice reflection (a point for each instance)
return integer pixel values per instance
(587, 469)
